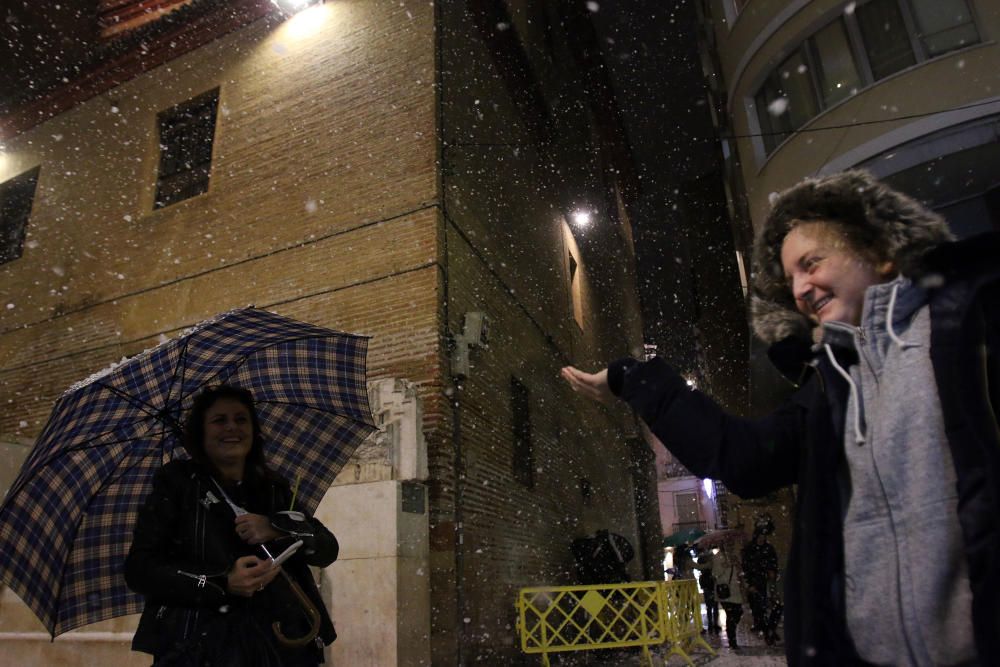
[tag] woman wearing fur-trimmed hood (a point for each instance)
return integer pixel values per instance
(892, 330)
(892, 226)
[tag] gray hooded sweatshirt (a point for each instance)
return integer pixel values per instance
(907, 587)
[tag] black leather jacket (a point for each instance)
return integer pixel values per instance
(183, 547)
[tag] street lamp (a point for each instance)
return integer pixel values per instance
(294, 6)
(581, 219)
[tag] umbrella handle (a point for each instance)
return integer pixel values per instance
(308, 608)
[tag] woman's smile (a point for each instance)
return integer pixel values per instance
(228, 436)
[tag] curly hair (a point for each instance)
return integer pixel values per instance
(877, 222)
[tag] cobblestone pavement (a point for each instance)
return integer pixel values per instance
(753, 652)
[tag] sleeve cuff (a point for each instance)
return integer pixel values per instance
(616, 374)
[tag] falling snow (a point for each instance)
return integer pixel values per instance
(778, 106)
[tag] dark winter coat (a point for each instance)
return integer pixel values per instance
(758, 560)
(183, 547)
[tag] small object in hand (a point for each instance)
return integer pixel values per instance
(286, 554)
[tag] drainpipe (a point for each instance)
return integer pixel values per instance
(453, 392)
(458, 467)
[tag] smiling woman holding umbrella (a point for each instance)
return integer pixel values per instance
(207, 546)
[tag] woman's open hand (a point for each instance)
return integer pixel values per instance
(250, 575)
(592, 385)
(255, 529)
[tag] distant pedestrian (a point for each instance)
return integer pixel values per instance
(682, 562)
(705, 564)
(760, 568)
(729, 591)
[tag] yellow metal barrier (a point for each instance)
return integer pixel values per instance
(682, 604)
(581, 618)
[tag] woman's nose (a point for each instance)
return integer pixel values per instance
(801, 287)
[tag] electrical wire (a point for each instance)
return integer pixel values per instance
(861, 123)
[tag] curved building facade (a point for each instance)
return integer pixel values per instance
(908, 89)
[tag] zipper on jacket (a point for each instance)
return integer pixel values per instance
(201, 578)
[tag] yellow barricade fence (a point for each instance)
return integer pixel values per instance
(554, 619)
(582, 618)
(682, 604)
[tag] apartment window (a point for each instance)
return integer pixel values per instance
(786, 100)
(186, 135)
(524, 454)
(836, 73)
(887, 43)
(944, 25)
(16, 198)
(687, 509)
(829, 66)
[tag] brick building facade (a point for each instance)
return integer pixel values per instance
(377, 167)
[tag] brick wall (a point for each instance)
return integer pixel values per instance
(507, 248)
(320, 205)
(324, 205)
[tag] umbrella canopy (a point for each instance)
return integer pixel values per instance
(66, 523)
(717, 538)
(682, 536)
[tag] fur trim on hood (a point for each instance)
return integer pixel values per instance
(906, 229)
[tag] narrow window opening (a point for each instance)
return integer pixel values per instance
(17, 196)
(524, 455)
(187, 132)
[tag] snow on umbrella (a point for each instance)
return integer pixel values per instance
(717, 538)
(66, 523)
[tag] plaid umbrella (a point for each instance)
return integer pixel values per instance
(66, 523)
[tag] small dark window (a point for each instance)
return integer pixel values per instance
(186, 135)
(887, 42)
(786, 101)
(836, 72)
(944, 25)
(16, 197)
(524, 455)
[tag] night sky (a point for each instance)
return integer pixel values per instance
(692, 302)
